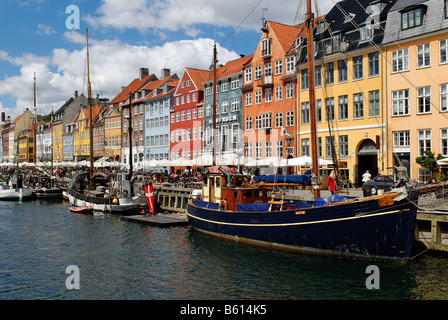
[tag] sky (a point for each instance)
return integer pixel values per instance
(48, 38)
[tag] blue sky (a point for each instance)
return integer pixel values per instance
(124, 35)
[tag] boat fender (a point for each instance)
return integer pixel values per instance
(223, 204)
(115, 201)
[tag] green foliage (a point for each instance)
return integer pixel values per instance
(428, 161)
(46, 118)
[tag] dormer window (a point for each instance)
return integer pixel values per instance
(265, 47)
(412, 17)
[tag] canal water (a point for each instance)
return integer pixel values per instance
(117, 259)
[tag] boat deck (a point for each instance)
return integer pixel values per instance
(165, 220)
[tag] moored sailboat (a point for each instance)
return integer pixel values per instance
(377, 227)
(115, 192)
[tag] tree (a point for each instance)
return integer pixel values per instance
(428, 161)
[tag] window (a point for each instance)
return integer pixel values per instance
(235, 83)
(258, 149)
(258, 122)
(305, 113)
(366, 33)
(225, 86)
(249, 150)
(411, 18)
(225, 106)
(374, 64)
(329, 73)
(343, 146)
(329, 109)
(258, 97)
(342, 70)
(279, 148)
(443, 97)
(343, 107)
(304, 79)
(268, 149)
(328, 147)
(289, 90)
(444, 142)
(400, 60)
(424, 141)
(402, 139)
(400, 102)
(358, 105)
(257, 72)
(424, 175)
(374, 103)
(268, 94)
(357, 68)
(305, 147)
(279, 119)
(248, 98)
(290, 118)
(424, 100)
(278, 93)
(266, 119)
(318, 108)
(235, 104)
(248, 123)
(443, 50)
(423, 55)
(289, 64)
(265, 47)
(317, 76)
(278, 67)
(248, 75)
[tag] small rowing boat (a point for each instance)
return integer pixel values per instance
(84, 209)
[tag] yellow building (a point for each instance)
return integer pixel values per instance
(57, 132)
(26, 145)
(112, 134)
(349, 116)
(81, 136)
(417, 83)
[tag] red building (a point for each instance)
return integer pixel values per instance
(187, 114)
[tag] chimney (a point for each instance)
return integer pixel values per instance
(76, 94)
(3, 117)
(165, 73)
(144, 72)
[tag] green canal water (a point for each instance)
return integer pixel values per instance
(121, 260)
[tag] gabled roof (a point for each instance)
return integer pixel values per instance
(285, 34)
(133, 87)
(233, 66)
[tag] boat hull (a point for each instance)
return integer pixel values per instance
(15, 195)
(124, 205)
(360, 229)
(52, 193)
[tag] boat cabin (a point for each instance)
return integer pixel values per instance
(220, 184)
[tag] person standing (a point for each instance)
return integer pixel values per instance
(366, 176)
(332, 182)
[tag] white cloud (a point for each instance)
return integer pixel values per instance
(113, 64)
(45, 30)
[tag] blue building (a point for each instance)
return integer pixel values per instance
(229, 109)
(158, 103)
(67, 140)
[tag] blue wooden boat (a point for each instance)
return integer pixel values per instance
(376, 227)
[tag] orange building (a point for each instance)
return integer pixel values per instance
(269, 94)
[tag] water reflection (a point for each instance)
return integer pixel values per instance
(123, 260)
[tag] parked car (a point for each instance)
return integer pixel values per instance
(371, 187)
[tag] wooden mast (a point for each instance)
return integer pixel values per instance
(314, 155)
(89, 94)
(215, 53)
(35, 122)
